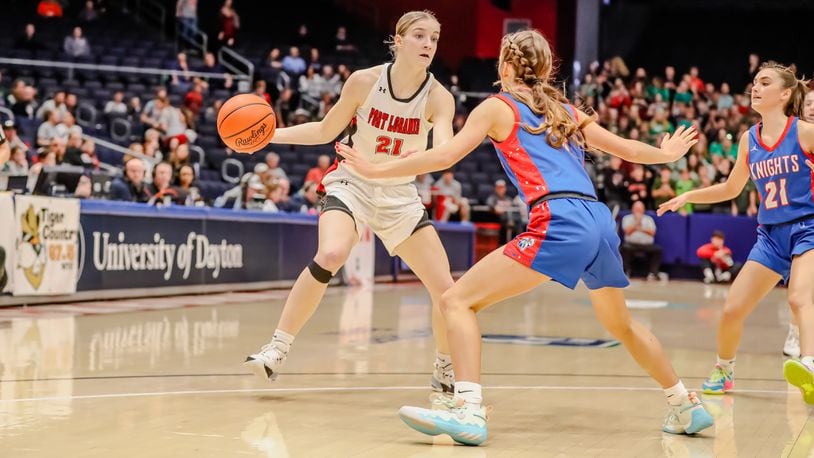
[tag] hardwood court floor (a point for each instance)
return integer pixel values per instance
(168, 382)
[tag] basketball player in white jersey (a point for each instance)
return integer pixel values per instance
(391, 109)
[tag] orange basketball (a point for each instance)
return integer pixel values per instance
(246, 123)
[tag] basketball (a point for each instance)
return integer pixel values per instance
(246, 123)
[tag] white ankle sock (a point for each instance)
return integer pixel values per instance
(676, 394)
(727, 364)
(793, 328)
(442, 359)
(282, 340)
(808, 361)
(468, 391)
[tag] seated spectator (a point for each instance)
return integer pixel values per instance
(450, 198)
(638, 186)
(273, 163)
(116, 108)
(314, 60)
(423, 183)
(306, 201)
(73, 151)
(17, 163)
(614, 181)
(717, 264)
(186, 183)
(171, 122)
(179, 157)
(664, 187)
(181, 79)
(330, 81)
(512, 212)
(260, 91)
(48, 130)
(56, 103)
(284, 107)
(14, 140)
(29, 40)
(88, 13)
(315, 174)
(640, 230)
(89, 158)
(21, 99)
(131, 187)
(161, 188)
(49, 8)
(293, 63)
(193, 100)
(76, 45)
(341, 43)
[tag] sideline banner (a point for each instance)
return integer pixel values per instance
(8, 234)
(47, 242)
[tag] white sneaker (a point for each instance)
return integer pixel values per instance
(663, 276)
(688, 418)
(267, 362)
(464, 423)
(792, 346)
(724, 277)
(709, 277)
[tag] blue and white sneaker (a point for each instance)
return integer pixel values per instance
(464, 423)
(688, 418)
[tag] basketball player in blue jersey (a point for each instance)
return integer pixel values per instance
(541, 143)
(391, 109)
(777, 154)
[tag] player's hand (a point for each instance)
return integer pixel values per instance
(356, 160)
(672, 205)
(679, 143)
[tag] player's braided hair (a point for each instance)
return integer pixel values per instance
(530, 55)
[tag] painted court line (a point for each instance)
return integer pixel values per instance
(350, 389)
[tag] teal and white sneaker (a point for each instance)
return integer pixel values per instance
(719, 382)
(688, 418)
(464, 423)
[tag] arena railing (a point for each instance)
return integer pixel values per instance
(72, 66)
(225, 57)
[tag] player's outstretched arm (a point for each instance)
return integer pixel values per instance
(672, 147)
(721, 192)
(336, 120)
(479, 124)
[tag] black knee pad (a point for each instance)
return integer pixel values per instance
(319, 273)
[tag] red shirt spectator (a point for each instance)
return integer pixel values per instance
(716, 252)
(316, 173)
(49, 8)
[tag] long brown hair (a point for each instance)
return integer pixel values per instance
(530, 55)
(799, 87)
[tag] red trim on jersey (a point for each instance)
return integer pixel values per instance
(779, 140)
(334, 166)
(810, 157)
(540, 218)
(528, 176)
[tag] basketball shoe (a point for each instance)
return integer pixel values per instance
(792, 346)
(719, 382)
(267, 362)
(799, 375)
(443, 378)
(688, 418)
(464, 423)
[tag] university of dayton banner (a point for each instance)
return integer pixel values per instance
(47, 245)
(8, 234)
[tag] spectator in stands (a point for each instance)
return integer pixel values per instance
(186, 13)
(451, 198)
(152, 143)
(278, 190)
(88, 13)
(46, 157)
(76, 45)
(161, 188)
(89, 158)
(307, 200)
(29, 40)
(332, 82)
(57, 146)
(614, 180)
(116, 108)
(293, 63)
(315, 61)
(229, 24)
(423, 184)
(193, 100)
(273, 163)
(664, 187)
(182, 80)
(17, 163)
(640, 230)
(71, 102)
(151, 112)
(260, 90)
(511, 212)
(341, 43)
(179, 157)
(186, 183)
(325, 104)
(49, 8)
(210, 65)
(315, 174)
(21, 99)
(725, 100)
(131, 187)
(638, 186)
(14, 140)
(284, 107)
(310, 88)
(171, 122)
(73, 150)
(302, 39)
(717, 264)
(48, 130)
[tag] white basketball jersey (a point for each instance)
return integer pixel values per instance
(386, 126)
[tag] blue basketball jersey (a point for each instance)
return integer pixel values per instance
(784, 181)
(535, 167)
